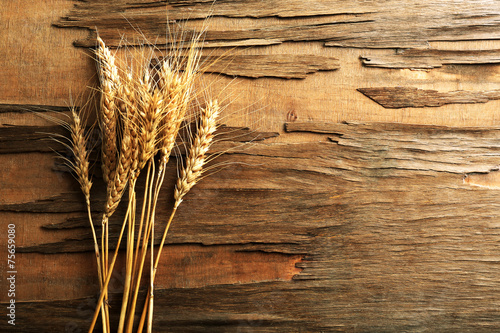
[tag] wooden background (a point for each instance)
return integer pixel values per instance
(362, 198)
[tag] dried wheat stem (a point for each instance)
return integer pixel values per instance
(129, 260)
(140, 258)
(108, 276)
(148, 303)
(141, 224)
(116, 187)
(188, 177)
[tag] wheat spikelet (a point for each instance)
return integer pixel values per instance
(117, 184)
(108, 71)
(195, 159)
(108, 74)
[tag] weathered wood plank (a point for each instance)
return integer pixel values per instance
(284, 66)
(25, 139)
(337, 23)
(410, 97)
(282, 307)
(32, 108)
(428, 59)
(353, 155)
(379, 212)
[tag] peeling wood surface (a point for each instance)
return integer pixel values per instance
(428, 59)
(337, 23)
(283, 66)
(280, 65)
(408, 97)
(459, 56)
(26, 139)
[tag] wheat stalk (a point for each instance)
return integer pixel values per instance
(129, 110)
(80, 165)
(189, 176)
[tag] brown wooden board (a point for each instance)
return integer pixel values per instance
(428, 59)
(350, 220)
(408, 97)
(337, 23)
(376, 216)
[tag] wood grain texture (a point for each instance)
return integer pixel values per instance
(428, 59)
(27, 139)
(337, 23)
(279, 65)
(21, 108)
(409, 97)
(331, 226)
(378, 212)
(53, 72)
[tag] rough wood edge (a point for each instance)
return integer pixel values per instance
(411, 97)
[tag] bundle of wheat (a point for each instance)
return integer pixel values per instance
(141, 113)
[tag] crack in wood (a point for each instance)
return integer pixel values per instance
(26, 139)
(284, 66)
(428, 59)
(21, 108)
(490, 180)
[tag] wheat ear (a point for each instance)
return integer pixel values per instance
(115, 192)
(110, 81)
(81, 155)
(81, 167)
(108, 118)
(195, 160)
